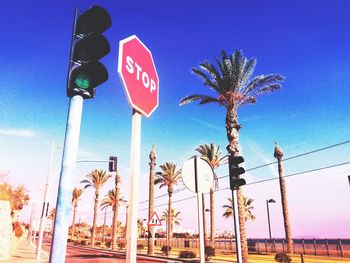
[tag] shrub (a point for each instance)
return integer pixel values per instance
(76, 242)
(282, 257)
(84, 243)
(166, 249)
(17, 228)
(209, 252)
(121, 245)
(69, 240)
(98, 243)
(108, 244)
(187, 254)
(140, 247)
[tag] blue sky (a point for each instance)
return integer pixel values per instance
(307, 42)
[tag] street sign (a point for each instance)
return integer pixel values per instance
(197, 167)
(198, 176)
(138, 74)
(154, 220)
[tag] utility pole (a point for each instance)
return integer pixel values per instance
(45, 204)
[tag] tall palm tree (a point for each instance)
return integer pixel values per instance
(247, 209)
(213, 155)
(234, 86)
(169, 176)
(96, 178)
(77, 192)
(278, 154)
(114, 200)
(175, 218)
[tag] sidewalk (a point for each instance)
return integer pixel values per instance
(25, 252)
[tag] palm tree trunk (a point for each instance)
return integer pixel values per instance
(152, 164)
(93, 234)
(168, 237)
(232, 128)
(73, 226)
(212, 223)
(115, 216)
(287, 228)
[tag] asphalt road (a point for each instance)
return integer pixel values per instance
(75, 254)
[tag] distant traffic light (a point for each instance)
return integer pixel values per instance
(113, 164)
(88, 46)
(235, 171)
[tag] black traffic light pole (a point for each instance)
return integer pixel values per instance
(235, 182)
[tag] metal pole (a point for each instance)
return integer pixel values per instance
(200, 214)
(237, 230)
(131, 236)
(268, 218)
(45, 203)
(65, 188)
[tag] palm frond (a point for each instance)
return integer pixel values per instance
(192, 98)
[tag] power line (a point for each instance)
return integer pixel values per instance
(258, 167)
(261, 181)
(295, 156)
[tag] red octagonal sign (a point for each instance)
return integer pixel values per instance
(138, 75)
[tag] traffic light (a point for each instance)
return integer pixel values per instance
(88, 46)
(235, 171)
(113, 162)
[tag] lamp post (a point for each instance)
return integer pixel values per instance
(268, 214)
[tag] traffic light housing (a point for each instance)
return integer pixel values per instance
(113, 164)
(88, 46)
(235, 171)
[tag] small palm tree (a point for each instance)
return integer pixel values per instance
(169, 176)
(175, 218)
(77, 192)
(52, 216)
(234, 86)
(140, 227)
(247, 209)
(114, 200)
(213, 155)
(96, 179)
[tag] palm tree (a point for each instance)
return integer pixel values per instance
(169, 176)
(114, 200)
(140, 227)
(278, 154)
(213, 155)
(75, 199)
(52, 215)
(234, 85)
(96, 179)
(175, 218)
(247, 209)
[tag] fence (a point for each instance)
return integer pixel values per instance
(319, 247)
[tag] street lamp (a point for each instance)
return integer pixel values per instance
(268, 213)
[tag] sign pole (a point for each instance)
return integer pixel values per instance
(131, 236)
(237, 230)
(65, 188)
(200, 213)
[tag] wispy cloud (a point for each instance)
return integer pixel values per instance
(207, 124)
(17, 132)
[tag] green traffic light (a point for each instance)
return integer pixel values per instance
(82, 81)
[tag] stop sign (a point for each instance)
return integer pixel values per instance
(138, 75)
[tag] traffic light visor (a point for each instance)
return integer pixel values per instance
(92, 47)
(96, 19)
